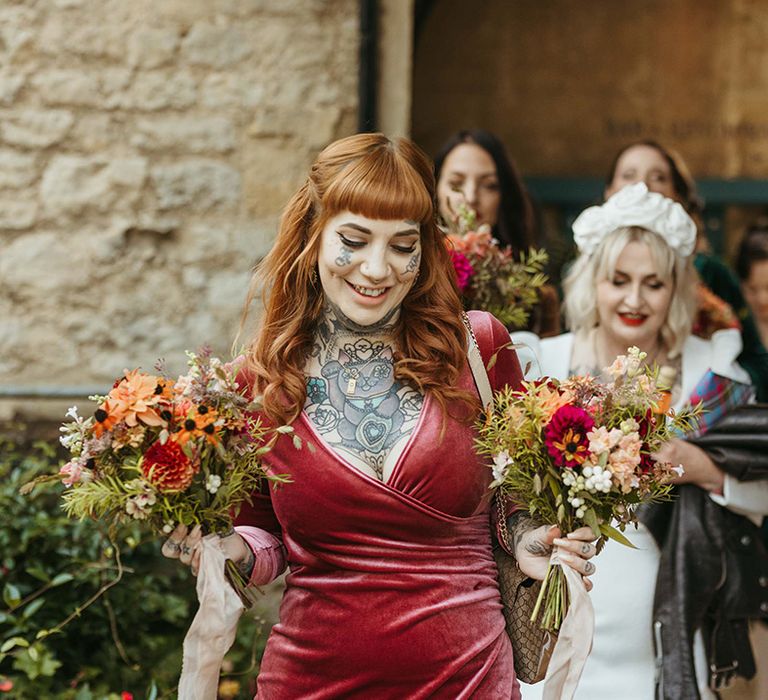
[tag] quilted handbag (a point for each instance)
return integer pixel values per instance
(532, 645)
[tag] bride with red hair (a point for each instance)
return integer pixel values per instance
(392, 589)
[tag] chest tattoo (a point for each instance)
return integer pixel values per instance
(354, 400)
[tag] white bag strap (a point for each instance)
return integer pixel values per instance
(475, 360)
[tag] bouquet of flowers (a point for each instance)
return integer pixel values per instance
(168, 451)
(489, 277)
(578, 452)
(712, 313)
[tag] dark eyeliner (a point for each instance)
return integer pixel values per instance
(348, 243)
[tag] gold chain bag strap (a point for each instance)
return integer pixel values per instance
(532, 646)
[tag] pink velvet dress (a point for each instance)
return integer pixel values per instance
(392, 590)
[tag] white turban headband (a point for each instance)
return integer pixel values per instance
(634, 205)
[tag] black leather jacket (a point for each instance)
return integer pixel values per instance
(713, 573)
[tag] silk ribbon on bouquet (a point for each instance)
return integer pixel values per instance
(574, 641)
(213, 629)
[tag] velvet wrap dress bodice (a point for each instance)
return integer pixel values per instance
(392, 590)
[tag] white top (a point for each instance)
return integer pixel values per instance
(621, 663)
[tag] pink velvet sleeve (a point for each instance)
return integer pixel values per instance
(268, 552)
(257, 524)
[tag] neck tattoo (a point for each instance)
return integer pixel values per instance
(353, 398)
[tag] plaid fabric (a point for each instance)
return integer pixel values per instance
(717, 396)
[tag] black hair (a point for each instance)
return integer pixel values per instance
(753, 248)
(515, 224)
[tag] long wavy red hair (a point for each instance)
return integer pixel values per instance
(372, 176)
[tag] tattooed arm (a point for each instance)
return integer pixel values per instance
(533, 544)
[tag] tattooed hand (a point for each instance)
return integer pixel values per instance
(533, 546)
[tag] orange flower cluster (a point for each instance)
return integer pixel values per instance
(133, 398)
(473, 242)
(712, 313)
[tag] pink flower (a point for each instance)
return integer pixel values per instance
(463, 269)
(624, 460)
(631, 444)
(72, 472)
(566, 436)
(602, 440)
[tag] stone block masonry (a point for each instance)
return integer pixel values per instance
(146, 151)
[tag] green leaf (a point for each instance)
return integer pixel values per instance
(285, 429)
(590, 518)
(536, 484)
(152, 694)
(11, 595)
(614, 534)
(13, 642)
(32, 608)
(84, 693)
(561, 513)
(60, 579)
(39, 573)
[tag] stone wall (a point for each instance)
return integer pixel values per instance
(146, 150)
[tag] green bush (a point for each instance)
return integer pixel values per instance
(129, 639)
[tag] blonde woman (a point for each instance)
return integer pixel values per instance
(668, 624)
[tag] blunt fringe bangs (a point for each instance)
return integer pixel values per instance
(369, 175)
(381, 184)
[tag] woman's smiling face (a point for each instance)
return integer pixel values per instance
(633, 304)
(368, 266)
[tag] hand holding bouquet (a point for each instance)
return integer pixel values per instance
(489, 277)
(168, 451)
(578, 452)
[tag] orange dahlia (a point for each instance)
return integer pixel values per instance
(137, 393)
(167, 467)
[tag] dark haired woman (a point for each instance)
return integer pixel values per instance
(473, 168)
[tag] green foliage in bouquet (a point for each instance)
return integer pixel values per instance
(490, 278)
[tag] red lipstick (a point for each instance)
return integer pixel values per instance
(632, 320)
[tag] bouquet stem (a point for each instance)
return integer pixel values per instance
(553, 596)
(239, 583)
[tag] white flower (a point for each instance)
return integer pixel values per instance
(72, 413)
(212, 483)
(500, 463)
(629, 426)
(168, 528)
(679, 469)
(634, 205)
